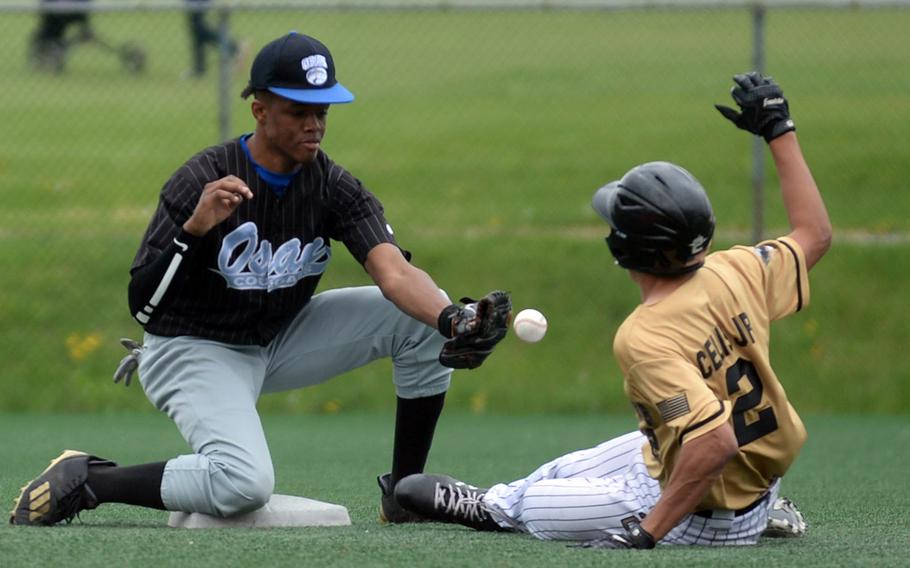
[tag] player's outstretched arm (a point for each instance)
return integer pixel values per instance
(408, 287)
(765, 112)
(809, 222)
(700, 464)
(473, 329)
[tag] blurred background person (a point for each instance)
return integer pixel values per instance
(202, 35)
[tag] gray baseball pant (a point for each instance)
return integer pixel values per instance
(209, 389)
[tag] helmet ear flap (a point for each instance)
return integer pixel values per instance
(618, 248)
(633, 255)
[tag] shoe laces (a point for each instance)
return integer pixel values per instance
(462, 501)
(76, 501)
(69, 506)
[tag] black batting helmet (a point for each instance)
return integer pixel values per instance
(659, 216)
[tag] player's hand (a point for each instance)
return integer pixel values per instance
(474, 329)
(633, 537)
(765, 111)
(130, 363)
(218, 201)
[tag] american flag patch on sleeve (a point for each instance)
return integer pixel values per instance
(673, 407)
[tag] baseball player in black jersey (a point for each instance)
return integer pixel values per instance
(223, 284)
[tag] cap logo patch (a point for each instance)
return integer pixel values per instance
(316, 68)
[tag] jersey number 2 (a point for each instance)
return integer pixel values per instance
(767, 421)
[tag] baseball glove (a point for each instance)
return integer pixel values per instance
(765, 111)
(474, 329)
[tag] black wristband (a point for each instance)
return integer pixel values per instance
(640, 537)
(444, 321)
(777, 129)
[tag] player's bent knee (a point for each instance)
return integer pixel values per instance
(245, 492)
(240, 503)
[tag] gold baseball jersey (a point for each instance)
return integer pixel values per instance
(699, 357)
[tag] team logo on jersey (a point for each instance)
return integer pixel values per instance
(246, 263)
(698, 244)
(316, 68)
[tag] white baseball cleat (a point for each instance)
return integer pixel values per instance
(785, 520)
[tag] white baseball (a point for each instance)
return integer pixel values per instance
(530, 325)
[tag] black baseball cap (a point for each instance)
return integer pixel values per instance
(300, 68)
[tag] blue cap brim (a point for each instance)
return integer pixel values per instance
(334, 95)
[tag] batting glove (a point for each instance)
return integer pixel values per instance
(765, 111)
(633, 537)
(130, 363)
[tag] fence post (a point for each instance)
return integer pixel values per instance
(758, 145)
(225, 61)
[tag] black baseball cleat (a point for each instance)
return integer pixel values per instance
(59, 493)
(389, 509)
(447, 500)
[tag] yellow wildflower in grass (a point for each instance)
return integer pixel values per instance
(81, 346)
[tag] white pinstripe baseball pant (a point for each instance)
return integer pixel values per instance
(584, 494)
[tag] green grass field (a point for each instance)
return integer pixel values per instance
(850, 482)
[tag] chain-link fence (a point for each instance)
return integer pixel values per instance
(482, 127)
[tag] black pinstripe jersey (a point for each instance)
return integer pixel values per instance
(254, 271)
